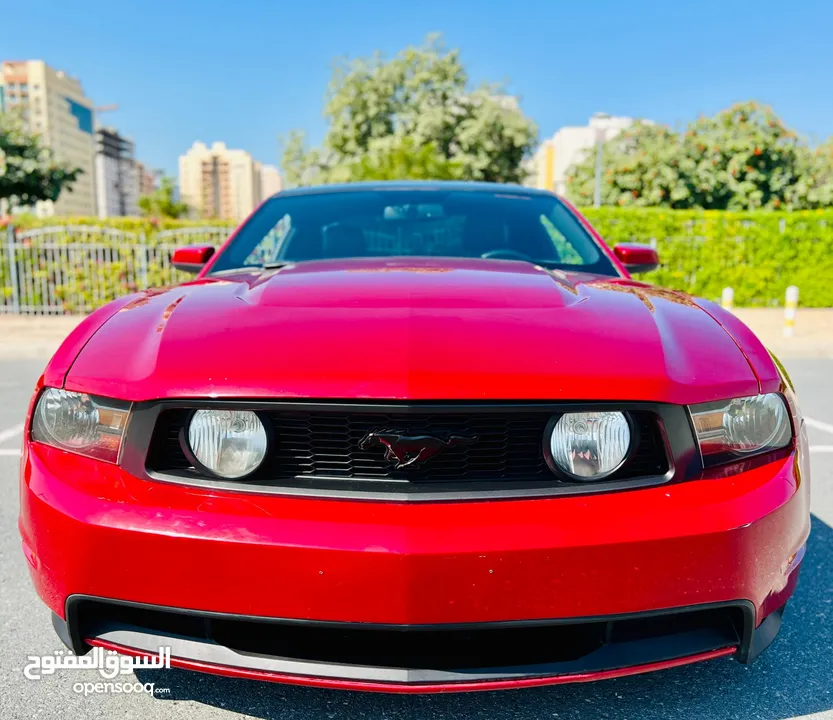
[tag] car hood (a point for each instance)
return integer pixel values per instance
(429, 329)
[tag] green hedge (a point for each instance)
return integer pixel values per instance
(148, 226)
(759, 254)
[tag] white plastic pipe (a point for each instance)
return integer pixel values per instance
(727, 299)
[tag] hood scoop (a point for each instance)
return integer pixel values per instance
(415, 283)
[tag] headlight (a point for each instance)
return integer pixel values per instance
(589, 445)
(730, 429)
(81, 423)
(228, 443)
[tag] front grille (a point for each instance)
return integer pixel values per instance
(309, 444)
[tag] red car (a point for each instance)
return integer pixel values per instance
(417, 437)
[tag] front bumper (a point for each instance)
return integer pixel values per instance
(91, 530)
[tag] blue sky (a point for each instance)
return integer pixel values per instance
(247, 71)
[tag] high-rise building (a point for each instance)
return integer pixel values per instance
(147, 179)
(219, 183)
(567, 147)
(270, 181)
(53, 105)
(117, 179)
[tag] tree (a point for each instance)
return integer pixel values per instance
(28, 171)
(401, 159)
(814, 189)
(161, 203)
(641, 167)
(417, 105)
(743, 158)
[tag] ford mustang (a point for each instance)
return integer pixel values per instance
(415, 437)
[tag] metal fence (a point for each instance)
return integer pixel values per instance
(76, 269)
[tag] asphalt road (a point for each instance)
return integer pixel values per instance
(794, 678)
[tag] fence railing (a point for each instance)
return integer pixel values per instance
(76, 269)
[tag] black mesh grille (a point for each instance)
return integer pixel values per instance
(313, 444)
(506, 446)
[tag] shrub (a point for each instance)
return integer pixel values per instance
(759, 254)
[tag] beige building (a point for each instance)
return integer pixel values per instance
(54, 106)
(556, 155)
(219, 183)
(270, 181)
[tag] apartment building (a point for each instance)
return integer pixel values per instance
(270, 181)
(53, 105)
(555, 156)
(117, 178)
(217, 182)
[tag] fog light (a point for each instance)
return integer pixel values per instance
(589, 445)
(227, 443)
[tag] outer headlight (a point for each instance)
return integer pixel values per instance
(81, 423)
(731, 429)
(588, 445)
(228, 443)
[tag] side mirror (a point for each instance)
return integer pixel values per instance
(637, 258)
(191, 259)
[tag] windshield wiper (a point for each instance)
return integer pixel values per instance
(251, 268)
(554, 265)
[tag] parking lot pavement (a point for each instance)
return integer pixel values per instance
(794, 678)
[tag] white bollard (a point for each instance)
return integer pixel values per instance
(727, 299)
(790, 306)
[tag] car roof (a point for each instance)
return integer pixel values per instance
(455, 185)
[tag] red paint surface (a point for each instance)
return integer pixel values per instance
(196, 255)
(418, 329)
(633, 254)
(676, 545)
(419, 688)
(68, 351)
(752, 348)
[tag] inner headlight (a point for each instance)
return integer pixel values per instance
(85, 424)
(730, 429)
(589, 445)
(228, 443)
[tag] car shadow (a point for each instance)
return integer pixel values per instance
(794, 677)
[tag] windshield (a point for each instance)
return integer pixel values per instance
(416, 223)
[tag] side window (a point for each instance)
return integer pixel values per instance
(567, 254)
(268, 249)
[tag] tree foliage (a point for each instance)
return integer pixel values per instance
(398, 158)
(391, 115)
(743, 158)
(28, 171)
(161, 203)
(814, 189)
(641, 167)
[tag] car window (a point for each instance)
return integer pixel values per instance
(567, 253)
(268, 248)
(500, 225)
